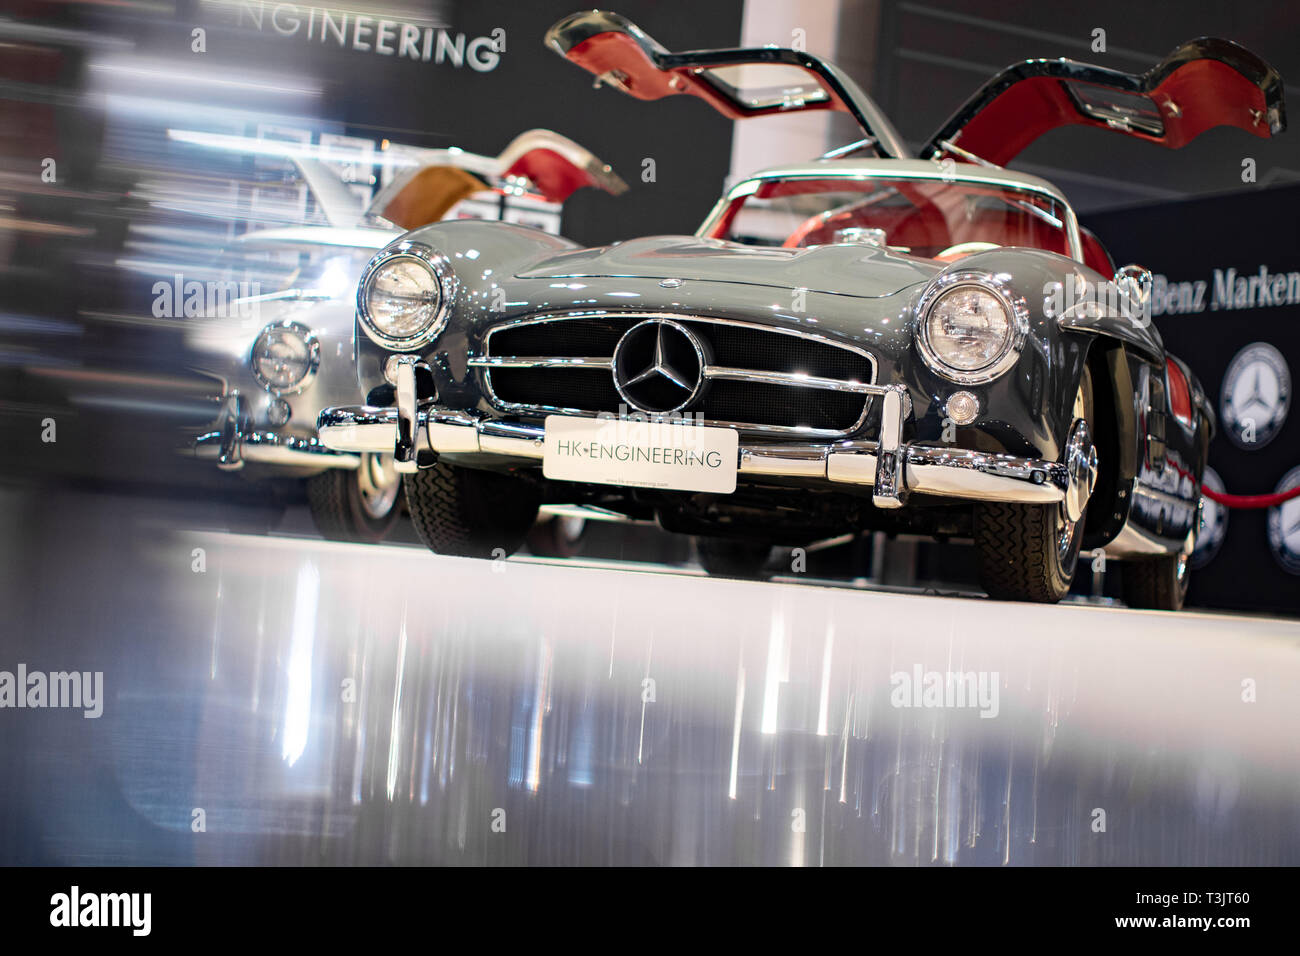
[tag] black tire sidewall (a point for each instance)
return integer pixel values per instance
(471, 512)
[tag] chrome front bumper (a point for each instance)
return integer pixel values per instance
(892, 469)
(234, 442)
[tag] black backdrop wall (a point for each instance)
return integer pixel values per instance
(1197, 242)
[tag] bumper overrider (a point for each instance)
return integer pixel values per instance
(235, 442)
(892, 468)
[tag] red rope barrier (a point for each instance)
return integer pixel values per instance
(1250, 501)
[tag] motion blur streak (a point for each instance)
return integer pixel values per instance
(513, 690)
(297, 708)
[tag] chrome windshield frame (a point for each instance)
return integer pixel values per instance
(901, 169)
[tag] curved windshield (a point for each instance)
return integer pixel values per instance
(921, 217)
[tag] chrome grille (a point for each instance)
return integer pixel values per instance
(759, 378)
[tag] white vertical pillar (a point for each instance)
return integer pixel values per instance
(798, 137)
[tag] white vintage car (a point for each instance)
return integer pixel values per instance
(285, 351)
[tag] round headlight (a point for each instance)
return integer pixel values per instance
(285, 356)
(403, 296)
(969, 331)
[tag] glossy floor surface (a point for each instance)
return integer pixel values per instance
(285, 700)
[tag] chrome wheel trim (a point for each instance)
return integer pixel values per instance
(379, 484)
(1066, 539)
(1081, 464)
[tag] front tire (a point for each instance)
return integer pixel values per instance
(362, 505)
(1029, 552)
(1158, 584)
(469, 512)
(1022, 556)
(733, 558)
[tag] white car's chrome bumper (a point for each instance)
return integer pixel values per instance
(890, 467)
(234, 442)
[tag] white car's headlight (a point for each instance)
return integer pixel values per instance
(404, 296)
(285, 357)
(971, 328)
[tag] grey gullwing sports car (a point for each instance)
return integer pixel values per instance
(876, 339)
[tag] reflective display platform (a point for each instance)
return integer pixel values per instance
(275, 700)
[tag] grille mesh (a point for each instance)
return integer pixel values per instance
(588, 390)
(732, 401)
(575, 338)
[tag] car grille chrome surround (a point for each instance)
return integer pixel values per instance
(756, 374)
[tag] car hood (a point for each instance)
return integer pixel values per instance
(853, 269)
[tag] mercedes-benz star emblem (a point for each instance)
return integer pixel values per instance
(1284, 525)
(1256, 396)
(659, 366)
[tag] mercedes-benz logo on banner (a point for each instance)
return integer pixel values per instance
(1284, 525)
(659, 366)
(1256, 395)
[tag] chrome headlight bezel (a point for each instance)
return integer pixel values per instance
(1017, 310)
(440, 269)
(313, 356)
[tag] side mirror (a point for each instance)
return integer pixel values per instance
(1135, 283)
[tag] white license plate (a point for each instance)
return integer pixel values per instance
(679, 457)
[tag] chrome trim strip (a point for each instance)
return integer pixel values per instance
(886, 168)
(538, 361)
(848, 149)
(951, 147)
(448, 430)
(941, 471)
(272, 449)
(784, 462)
(791, 379)
(890, 484)
(404, 450)
(487, 362)
(232, 426)
(1169, 500)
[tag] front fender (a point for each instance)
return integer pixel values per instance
(1028, 409)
